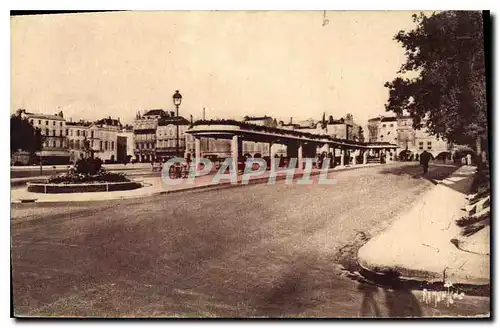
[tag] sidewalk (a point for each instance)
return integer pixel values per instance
(418, 244)
(156, 185)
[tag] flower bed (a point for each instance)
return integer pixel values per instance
(87, 176)
(101, 176)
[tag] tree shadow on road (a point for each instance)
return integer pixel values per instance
(398, 299)
(436, 171)
(285, 298)
(369, 307)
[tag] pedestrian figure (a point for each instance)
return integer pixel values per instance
(469, 159)
(425, 157)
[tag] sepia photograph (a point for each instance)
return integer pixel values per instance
(250, 164)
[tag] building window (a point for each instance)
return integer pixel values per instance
(112, 145)
(77, 133)
(61, 143)
(54, 143)
(46, 122)
(383, 125)
(46, 132)
(39, 122)
(70, 132)
(84, 133)
(421, 145)
(77, 144)
(429, 145)
(105, 145)
(66, 131)
(100, 145)
(91, 134)
(60, 124)
(391, 125)
(71, 144)
(46, 143)
(54, 133)
(54, 123)
(31, 121)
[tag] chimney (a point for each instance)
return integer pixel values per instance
(290, 120)
(172, 114)
(191, 116)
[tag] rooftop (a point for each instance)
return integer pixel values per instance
(108, 121)
(79, 123)
(45, 116)
(155, 112)
(173, 120)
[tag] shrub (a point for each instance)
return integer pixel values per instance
(88, 171)
(468, 220)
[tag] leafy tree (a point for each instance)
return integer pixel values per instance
(23, 136)
(448, 95)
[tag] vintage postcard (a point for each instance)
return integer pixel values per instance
(250, 164)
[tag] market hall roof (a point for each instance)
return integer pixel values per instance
(253, 132)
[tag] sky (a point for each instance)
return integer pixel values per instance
(280, 64)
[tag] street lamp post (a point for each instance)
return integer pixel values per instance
(177, 97)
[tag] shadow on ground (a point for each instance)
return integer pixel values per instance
(437, 172)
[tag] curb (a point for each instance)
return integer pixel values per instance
(208, 187)
(401, 260)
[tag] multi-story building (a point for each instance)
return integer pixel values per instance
(373, 129)
(145, 134)
(103, 135)
(406, 133)
(166, 136)
(53, 129)
(388, 130)
(399, 130)
(77, 133)
(258, 149)
(343, 128)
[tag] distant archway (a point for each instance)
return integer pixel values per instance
(443, 155)
(405, 155)
(257, 155)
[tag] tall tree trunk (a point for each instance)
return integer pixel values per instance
(478, 146)
(479, 157)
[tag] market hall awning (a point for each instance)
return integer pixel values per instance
(294, 140)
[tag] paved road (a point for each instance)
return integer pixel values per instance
(258, 250)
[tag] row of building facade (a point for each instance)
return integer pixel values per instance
(153, 136)
(64, 139)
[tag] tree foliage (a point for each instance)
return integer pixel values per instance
(23, 136)
(448, 94)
